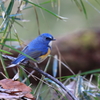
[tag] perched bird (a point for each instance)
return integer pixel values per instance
(38, 49)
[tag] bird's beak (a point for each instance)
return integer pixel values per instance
(53, 39)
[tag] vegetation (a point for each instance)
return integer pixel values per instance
(77, 86)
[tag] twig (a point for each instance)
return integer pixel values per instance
(53, 79)
(46, 75)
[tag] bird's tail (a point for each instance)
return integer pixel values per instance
(17, 61)
(12, 65)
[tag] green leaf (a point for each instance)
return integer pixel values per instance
(40, 4)
(13, 15)
(3, 65)
(10, 39)
(5, 51)
(90, 72)
(83, 8)
(8, 11)
(78, 5)
(60, 17)
(84, 73)
(47, 2)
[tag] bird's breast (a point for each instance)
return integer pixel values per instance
(43, 57)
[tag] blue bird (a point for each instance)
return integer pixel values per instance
(38, 49)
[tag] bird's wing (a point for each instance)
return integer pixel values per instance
(24, 50)
(35, 54)
(20, 57)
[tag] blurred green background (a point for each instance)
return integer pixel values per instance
(49, 23)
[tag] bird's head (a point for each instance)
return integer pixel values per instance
(46, 38)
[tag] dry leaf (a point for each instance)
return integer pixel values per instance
(16, 88)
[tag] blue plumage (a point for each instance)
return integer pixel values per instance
(38, 49)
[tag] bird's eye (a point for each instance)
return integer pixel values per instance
(47, 38)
